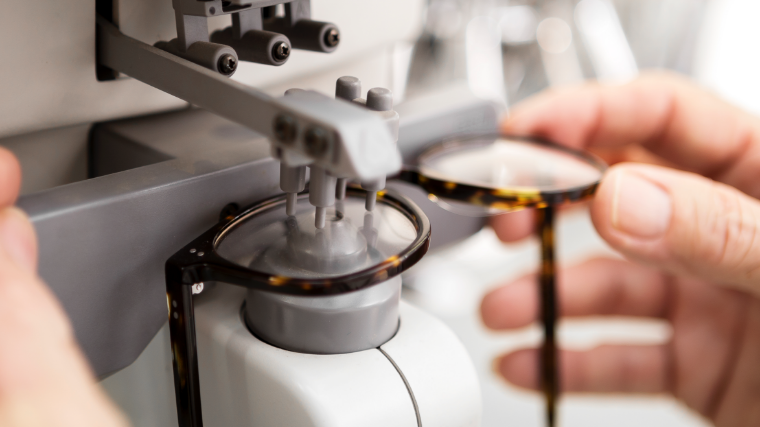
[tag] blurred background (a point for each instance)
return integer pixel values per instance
(509, 49)
(499, 50)
(506, 51)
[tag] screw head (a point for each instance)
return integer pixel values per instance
(285, 129)
(228, 64)
(316, 143)
(281, 51)
(198, 288)
(332, 37)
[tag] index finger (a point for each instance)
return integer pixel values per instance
(670, 116)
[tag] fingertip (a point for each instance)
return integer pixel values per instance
(519, 368)
(10, 177)
(513, 226)
(518, 123)
(567, 116)
(511, 306)
(636, 206)
(612, 192)
(680, 222)
(527, 117)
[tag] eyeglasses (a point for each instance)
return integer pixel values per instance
(262, 248)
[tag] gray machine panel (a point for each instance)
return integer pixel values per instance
(160, 181)
(104, 241)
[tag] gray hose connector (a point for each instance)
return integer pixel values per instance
(206, 54)
(306, 34)
(262, 47)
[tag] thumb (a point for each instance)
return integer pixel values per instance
(681, 222)
(18, 240)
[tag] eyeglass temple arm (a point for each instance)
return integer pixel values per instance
(183, 346)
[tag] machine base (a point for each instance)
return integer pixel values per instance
(422, 376)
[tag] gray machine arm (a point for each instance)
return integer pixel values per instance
(342, 138)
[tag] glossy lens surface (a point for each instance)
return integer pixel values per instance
(270, 242)
(489, 175)
(510, 164)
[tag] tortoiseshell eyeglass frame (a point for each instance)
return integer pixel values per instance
(500, 200)
(199, 262)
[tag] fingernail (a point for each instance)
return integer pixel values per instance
(640, 207)
(17, 238)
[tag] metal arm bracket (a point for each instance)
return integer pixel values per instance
(353, 142)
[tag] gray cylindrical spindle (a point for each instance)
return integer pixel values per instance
(321, 193)
(292, 182)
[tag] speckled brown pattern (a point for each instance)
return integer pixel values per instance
(548, 365)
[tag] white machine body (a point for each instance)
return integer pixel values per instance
(423, 371)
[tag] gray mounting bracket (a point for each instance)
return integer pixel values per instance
(357, 143)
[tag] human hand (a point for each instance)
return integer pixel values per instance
(44, 378)
(691, 234)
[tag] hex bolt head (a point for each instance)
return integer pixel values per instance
(228, 64)
(316, 143)
(285, 129)
(281, 51)
(332, 37)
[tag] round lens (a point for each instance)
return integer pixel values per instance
(353, 239)
(488, 175)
